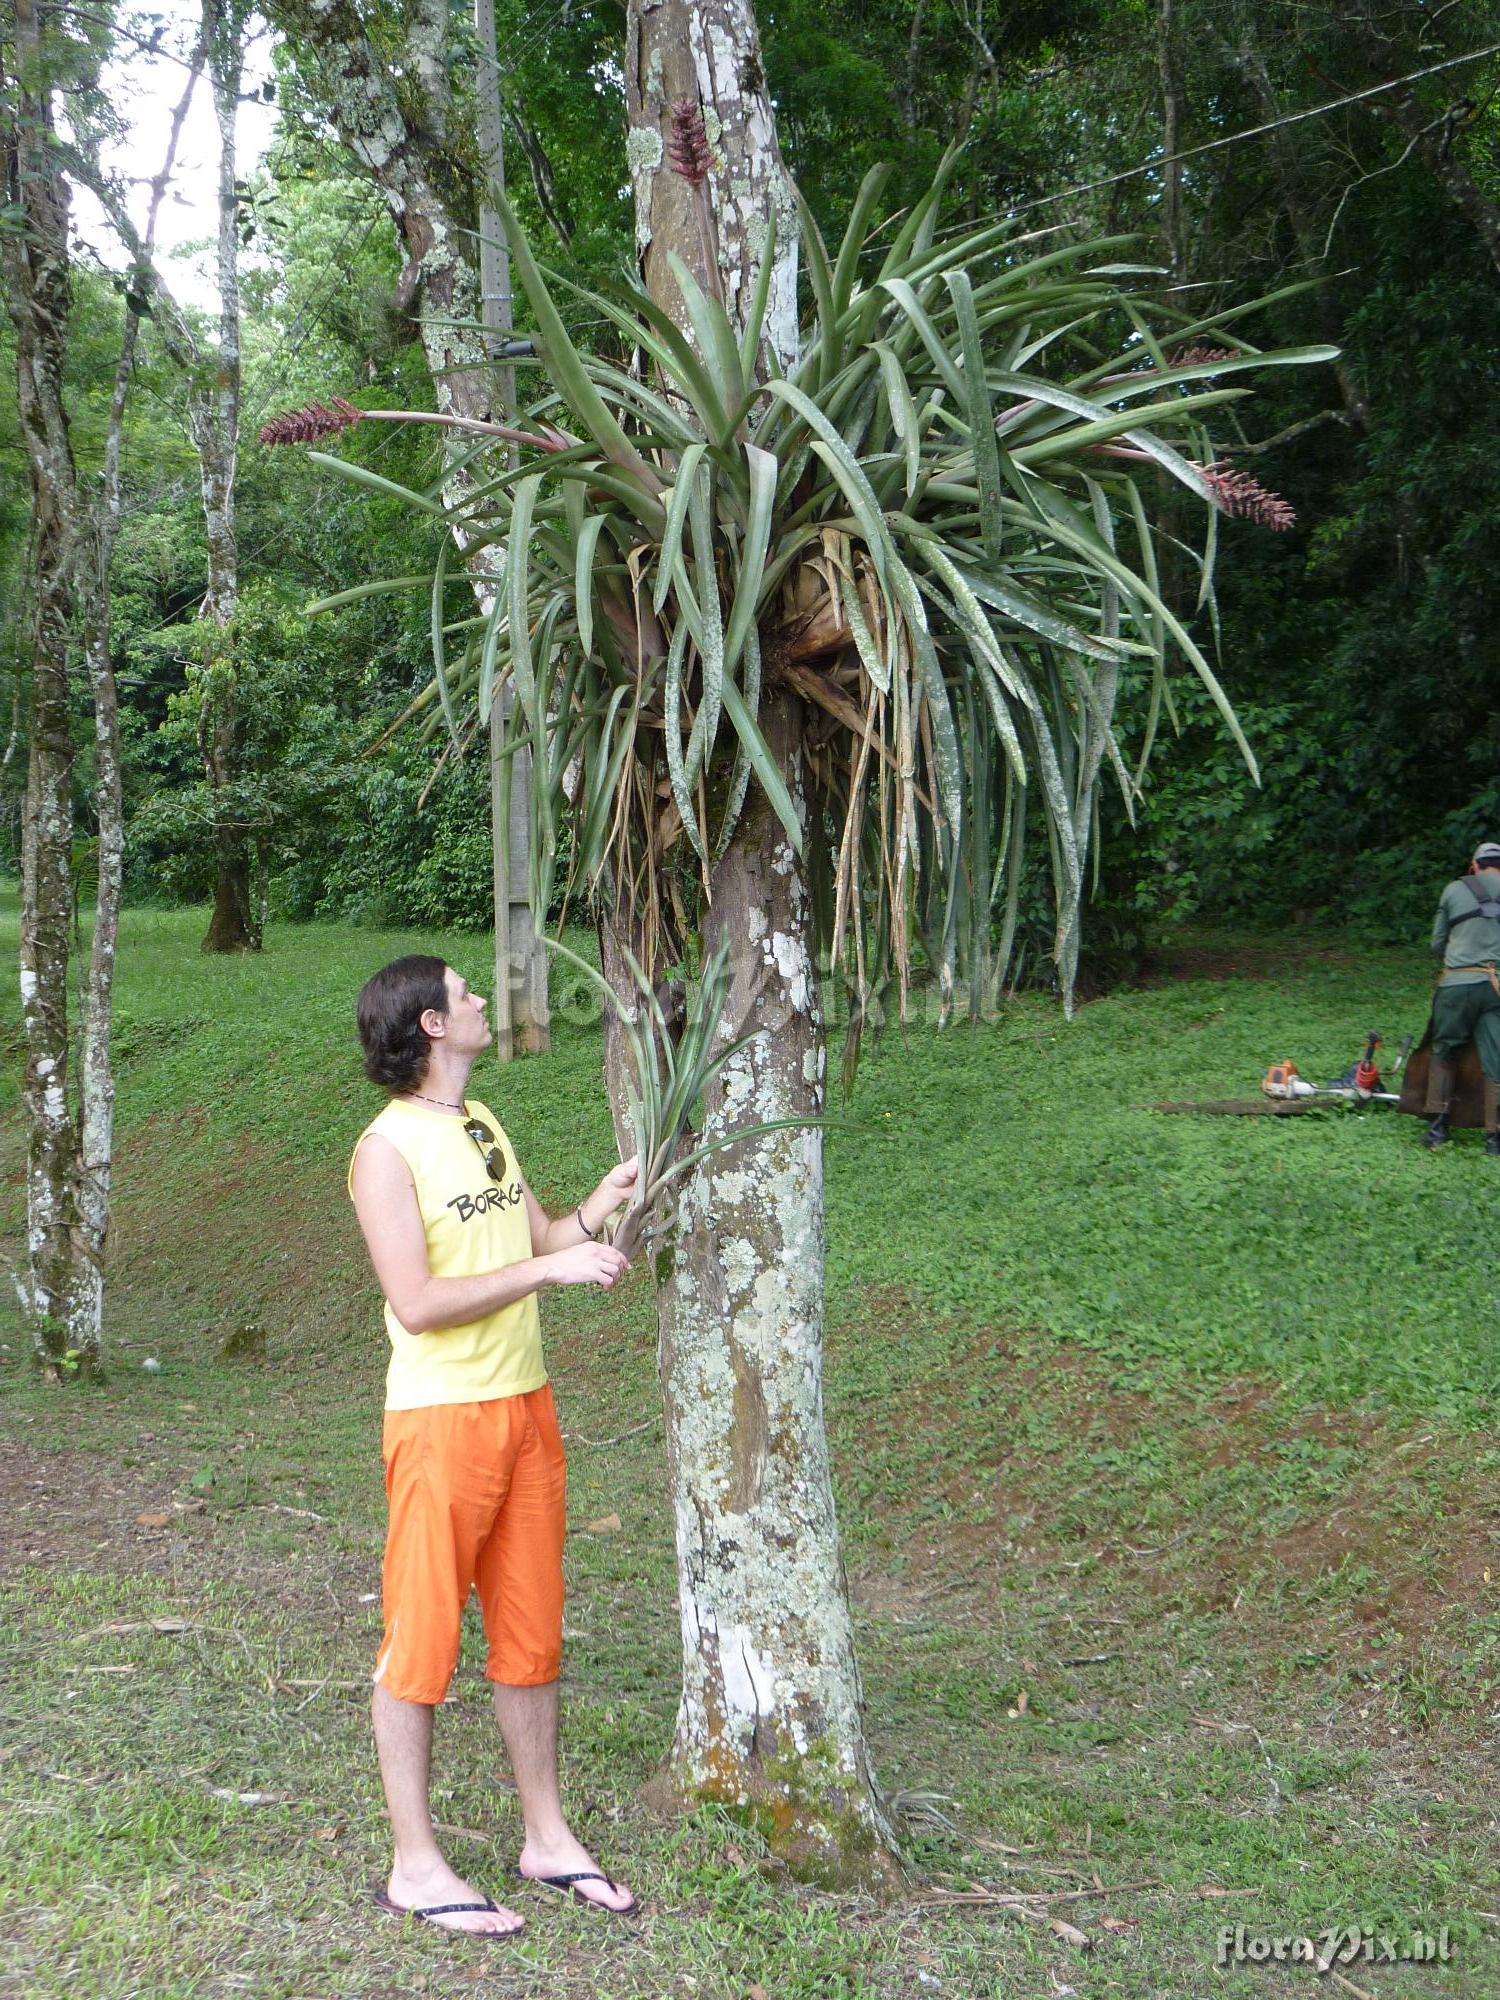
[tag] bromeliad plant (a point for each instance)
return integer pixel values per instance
(671, 1065)
(933, 530)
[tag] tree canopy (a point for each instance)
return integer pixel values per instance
(1356, 647)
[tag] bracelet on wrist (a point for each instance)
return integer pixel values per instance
(591, 1234)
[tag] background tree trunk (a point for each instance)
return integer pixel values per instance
(770, 1719)
(1432, 135)
(96, 1123)
(1288, 170)
(401, 138)
(38, 292)
(1169, 69)
(214, 418)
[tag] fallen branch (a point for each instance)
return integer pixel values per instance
(1027, 1906)
(1359, 1992)
(602, 1444)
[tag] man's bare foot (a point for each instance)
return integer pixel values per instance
(436, 1888)
(566, 1856)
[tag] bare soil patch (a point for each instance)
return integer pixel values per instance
(66, 1512)
(1394, 1550)
(1257, 958)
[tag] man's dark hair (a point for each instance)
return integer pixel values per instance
(390, 1010)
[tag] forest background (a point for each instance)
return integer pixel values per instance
(1356, 647)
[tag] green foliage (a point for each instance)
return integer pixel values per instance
(1359, 649)
(1362, 644)
(971, 527)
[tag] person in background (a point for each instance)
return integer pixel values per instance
(474, 1465)
(1466, 1006)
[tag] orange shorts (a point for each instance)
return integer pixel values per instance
(478, 1495)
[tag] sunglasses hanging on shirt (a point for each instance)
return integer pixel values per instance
(489, 1151)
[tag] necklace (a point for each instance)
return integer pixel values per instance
(433, 1100)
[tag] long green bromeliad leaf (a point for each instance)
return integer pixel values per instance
(564, 362)
(982, 437)
(752, 560)
(678, 500)
(363, 476)
(676, 768)
(715, 335)
(439, 640)
(764, 764)
(706, 721)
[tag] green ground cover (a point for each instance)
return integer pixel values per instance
(1166, 1465)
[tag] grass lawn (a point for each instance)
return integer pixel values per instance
(1169, 1482)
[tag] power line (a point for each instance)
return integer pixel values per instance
(1232, 138)
(514, 56)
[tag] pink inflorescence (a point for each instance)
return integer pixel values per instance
(687, 148)
(306, 426)
(1245, 499)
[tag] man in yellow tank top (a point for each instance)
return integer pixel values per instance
(475, 1474)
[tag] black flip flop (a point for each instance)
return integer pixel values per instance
(433, 1911)
(564, 1885)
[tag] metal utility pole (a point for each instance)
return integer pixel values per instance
(521, 1014)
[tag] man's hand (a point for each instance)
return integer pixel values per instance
(585, 1264)
(619, 1183)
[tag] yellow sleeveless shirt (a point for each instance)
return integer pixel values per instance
(473, 1225)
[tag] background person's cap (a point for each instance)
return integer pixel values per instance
(1487, 854)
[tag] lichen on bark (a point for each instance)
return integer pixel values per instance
(770, 1721)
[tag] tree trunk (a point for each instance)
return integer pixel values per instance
(1169, 70)
(770, 1721)
(214, 415)
(231, 924)
(398, 131)
(1433, 140)
(96, 1127)
(38, 292)
(397, 128)
(704, 55)
(1289, 174)
(46, 906)
(1430, 135)
(69, 1166)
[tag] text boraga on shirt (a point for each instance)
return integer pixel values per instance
(481, 1204)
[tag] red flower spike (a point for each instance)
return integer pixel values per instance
(687, 149)
(1243, 498)
(307, 426)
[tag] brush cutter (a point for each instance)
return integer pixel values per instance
(1359, 1084)
(1286, 1092)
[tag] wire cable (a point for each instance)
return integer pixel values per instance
(1228, 139)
